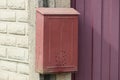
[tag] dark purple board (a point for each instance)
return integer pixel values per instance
(97, 29)
(99, 39)
(114, 38)
(85, 40)
(105, 58)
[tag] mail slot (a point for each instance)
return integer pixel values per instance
(56, 40)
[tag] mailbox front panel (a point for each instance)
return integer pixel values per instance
(60, 43)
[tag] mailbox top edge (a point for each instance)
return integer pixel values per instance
(57, 11)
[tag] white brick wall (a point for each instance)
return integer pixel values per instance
(3, 28)
(10, 40)
(16, 28)
(16, 4)
(14, 56)
(23, 68)
(7, 15)
(17, 53)
(22, 41)
(21, 77)
(6, 75)
(3, 3)
(3, 52)
(9, 66)
(22, 16)
(3, 75)
(2, 39)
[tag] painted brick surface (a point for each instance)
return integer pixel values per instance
(2, 39)
(3, 3)
(3, 75)
(10, 40)
(10, 66)
(16, 53)
(3, 28)
(14, 76)
(3, 52)
(14, 56)
(22, 41)
(16, 4)
(21, 77)
(23, 68)
(7, 15)
(16, 28)
(22, 16)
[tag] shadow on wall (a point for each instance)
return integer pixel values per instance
(98, 51)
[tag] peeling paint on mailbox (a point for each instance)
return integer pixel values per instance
(56, 40)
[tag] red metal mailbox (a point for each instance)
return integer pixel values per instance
(56, 40)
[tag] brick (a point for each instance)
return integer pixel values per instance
(21, 77)
(3, 4)
(14, 40)
(10, 40)
(16, 76)
(22, 41)
(26, 54)
(23, 68)
(2, 39)
(7, 40)
(3, 75)
(9, 66)
(3, 52)
(16, 4)
(16, 28)
(3, 28)
(27, 29)
(12, 75)
(7, 15)
(16, 53)
(22, 16)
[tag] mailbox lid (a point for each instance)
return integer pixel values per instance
(57, 11)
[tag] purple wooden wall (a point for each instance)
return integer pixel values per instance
(99, 39)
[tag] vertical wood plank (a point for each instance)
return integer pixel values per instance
(88, 36)
(97, 27)
(85, 40)
(114, 38)
(104, 16)
(105, 42)
(80, 74)
(119, 46)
